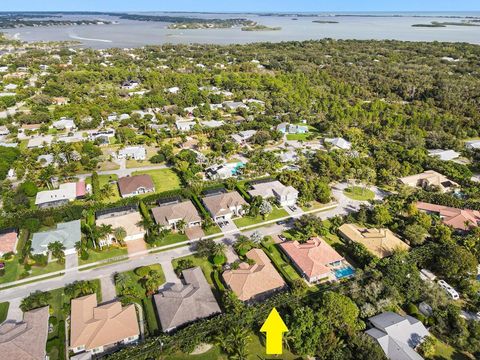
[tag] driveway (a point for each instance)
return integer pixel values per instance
(195, 232)
(170, 276)
(14, 312)
(71, 261)
(107, 284)
(135, 246)
(229, 226)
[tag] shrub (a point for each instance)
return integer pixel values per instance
(29, 188)
(49, 221)
(157, 159)
(53, 320)
(32, 224)
(84, 254)
(219, 259)
(142, 271)
(27, 267)
(8, 255)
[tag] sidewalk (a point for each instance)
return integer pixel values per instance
(152, 251)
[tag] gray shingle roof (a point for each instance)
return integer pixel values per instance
(67, 233)
(187, 302)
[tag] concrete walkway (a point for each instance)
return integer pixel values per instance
(71, 261)
(170, 276)
(107, 283)
(14, 311)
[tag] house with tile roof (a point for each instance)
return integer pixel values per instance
(68, 233)
(169, 215)
(314, 259)
(128, 220)
(430, 178)
(96, 328)
(135, 185)
(284, 195)
(254, 282)
(225, 205)
(25, 340)
(459, 219)
(380, 242)
(8, 241)
(397, 335)
(184, 303)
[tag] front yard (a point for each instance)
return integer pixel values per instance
(359, 193)
(277, 213)
(163, 179)
(169, 239)
(107, 253)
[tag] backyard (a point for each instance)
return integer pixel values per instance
(277, 213)
(163, 179)
(280, 262)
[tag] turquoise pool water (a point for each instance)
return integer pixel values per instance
(344, 272)
(237, 167)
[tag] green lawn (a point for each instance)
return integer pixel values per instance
(256, 349)
(212, 230)
(104, 180)
(446, 352)
(213, 354)
(359, 193)
(298, 137)
(4, 311)
(13, 270)
(169, 239)
(107, 253)
(150, 316)
(204, 264)
(164, 179)
(281, 263)
(314, 205)
(277, 213)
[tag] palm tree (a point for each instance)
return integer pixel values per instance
(57, 249)
(181, 225)
(120, 234)
(219, 249)
(121, 279)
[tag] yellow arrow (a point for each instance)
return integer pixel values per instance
(274, 327)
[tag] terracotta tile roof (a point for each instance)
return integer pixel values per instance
(252, 280)
(130, 184)
(312, 257)
(461, 219)
(8, 241)
(429, 177)
(25, 340)
(184, 210)
(187, 302)
(220, 204)
(380, 242)
(93, 326)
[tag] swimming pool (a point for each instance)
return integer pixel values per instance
(344, 272)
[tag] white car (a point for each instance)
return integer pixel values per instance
(449, 290)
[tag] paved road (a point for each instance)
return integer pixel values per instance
(107, 285)
(345, 205)
(124, 172)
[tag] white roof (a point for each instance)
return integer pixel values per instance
(133, 151)
(340, 143)
(213, 123)
(64, 124)
(38, 141)
(444, 155)
(473, 144)
(66, 191)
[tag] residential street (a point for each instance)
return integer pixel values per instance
(345, 205)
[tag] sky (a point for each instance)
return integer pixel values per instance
(241, 6)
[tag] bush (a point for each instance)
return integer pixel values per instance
(142, 271)
(49, 221)
(40, 260)
(53, 320)
(219, 259)
(84, 254)
(29, 188)
(157, 159)
(32, 224)
(8, 255)
(27, 267)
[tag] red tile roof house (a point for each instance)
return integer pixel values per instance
(135, 185)
(459, 219)
(314, 259)
(8, 241)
